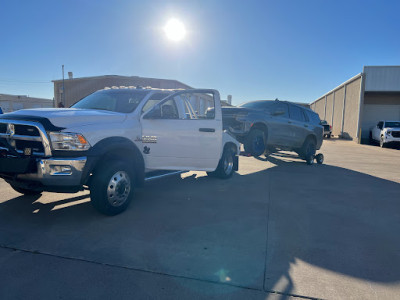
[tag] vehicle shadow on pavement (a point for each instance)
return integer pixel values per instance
(287, 228)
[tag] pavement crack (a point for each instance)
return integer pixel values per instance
(37, 252)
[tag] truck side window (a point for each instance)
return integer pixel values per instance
(296, 113)
(380, 125)
(195, 106)
(169, 110)
(153, 100)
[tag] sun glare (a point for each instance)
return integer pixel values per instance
(175, 30)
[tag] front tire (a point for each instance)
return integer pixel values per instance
(111, 188)
(255, 142)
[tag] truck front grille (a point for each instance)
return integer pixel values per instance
(396, 134)
(25, 137)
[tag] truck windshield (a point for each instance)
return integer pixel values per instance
(122, 101)
(392, 124)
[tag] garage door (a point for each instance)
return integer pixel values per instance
(374, 113)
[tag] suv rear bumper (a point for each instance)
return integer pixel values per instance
(52, 172)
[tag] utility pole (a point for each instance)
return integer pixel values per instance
(63, 94)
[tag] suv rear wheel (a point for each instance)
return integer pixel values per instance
(255, 142)
(111, 188)
(308, 150)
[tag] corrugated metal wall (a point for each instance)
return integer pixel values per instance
(320, 108)
(352, 110)
(330, 108)
(382, 78)
(338, 112)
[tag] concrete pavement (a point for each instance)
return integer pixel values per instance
(277, 229)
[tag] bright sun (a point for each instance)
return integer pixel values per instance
(175, 30)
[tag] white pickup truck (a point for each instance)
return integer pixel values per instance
(113, 140)
(385, 132)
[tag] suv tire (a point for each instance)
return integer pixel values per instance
(225, 168)
(308, 150)
(111, 188)
(255, 142)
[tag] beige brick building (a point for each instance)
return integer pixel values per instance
(77, 88)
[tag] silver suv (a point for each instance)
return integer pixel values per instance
(266, 126)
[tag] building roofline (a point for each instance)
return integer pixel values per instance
(25, 97)
(338, 87)
(117, 76)
(383, 66)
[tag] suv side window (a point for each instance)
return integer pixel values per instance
(313, 117)
(380, 125)
(296, 113)
(279, 107)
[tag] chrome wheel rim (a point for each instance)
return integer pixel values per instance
(118, 188)
(228, 164)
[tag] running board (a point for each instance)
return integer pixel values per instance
(158, 176)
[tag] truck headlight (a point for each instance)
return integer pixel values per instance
(388, 132)
(68, 141)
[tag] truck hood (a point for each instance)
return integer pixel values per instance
(232, 111)
(68, 117)
(239, 111)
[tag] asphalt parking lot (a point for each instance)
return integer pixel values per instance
(277, 229)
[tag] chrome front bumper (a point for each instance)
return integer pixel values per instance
(57, 171)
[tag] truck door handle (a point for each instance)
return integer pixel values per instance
(207, 129)
(290, 122)
(305, 125)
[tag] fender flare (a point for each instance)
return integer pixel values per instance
(114, 147)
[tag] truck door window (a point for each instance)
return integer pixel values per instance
(296, 113)
(153, 100)
(380, 125)
(169, 110)
(195, 106)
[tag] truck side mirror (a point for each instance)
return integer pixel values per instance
(154, 113)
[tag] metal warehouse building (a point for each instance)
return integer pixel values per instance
(356, 105)
(75, 89)
(9, 103)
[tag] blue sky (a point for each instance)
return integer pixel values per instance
(292, 50)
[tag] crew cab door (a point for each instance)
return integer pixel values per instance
(183, 132)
